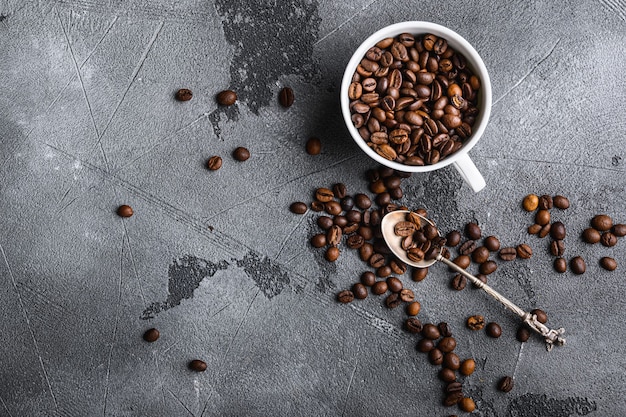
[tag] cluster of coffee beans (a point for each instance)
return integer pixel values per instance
(420, 239)
(413, 99)
(152, 335)
(603, 230)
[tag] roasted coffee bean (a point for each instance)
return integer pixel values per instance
(591, 235)
(507, 254)
(451, 361)
(383, 272)
(404, 228)
(125, 211)
(453, 387)
(362, 201)
(151, 335)
(353, 216)
(397, 266)
(425, 345)
(560, 265)
(184, 94)
(577, 265)
(347, 203)
(458, 282)
(476, 322)
(542, 317)
(226, 98)
(545, 202)
(333, 208)
(602, 222)
(366, 232)
(560, 202)
(545, 230)
(394, 284)
(419, 274)
(493, 330)
(467, 367)
(608, 239)
(285, 97)
(197, 365)
(447, 375)
(379, 288)
(298, 207)
(324, 195)
(462, 261)
(355, 241)
(345, 296)
(350, 228)
(368, 278)
(505, 384)
(360, 291)
(334, 235)
(396, 193)
(467, 404)
(413, 325)
(557, 231)
(313, 146)
(524, 251)
(241, 154)
(452, 399)
(482, 278)
(619, 230)
(340, 190)
(453, 238)
(325, 222)
(530, 202)
(415, 255)
(383, 199)
(317, 206)
(435, 356)
(467, 247)
(523, 333)
(492, 243)
(376, 260)
(430, 232)
(366, 251)
(444, 329)
(332, 254)
(447, 344)
(413, 308)
(214, 163)
(407, 295)
(480, 255)
(557, 248)
(319, 240)
(393, 300)
(430, 331)
(542, 217)
(608, 263)
(488, 267)
(533, 229)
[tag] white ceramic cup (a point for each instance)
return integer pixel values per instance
(460, 158)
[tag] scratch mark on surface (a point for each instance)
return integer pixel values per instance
(65, 195)
(245, 315)
(5, 407)
(170, 347)
(220, 310)
(521, 80)
(345, 403)
(348, 20)
(66, 206)
(30, 328)
(159, 378)
(180, 402)
(616, 7)
(132, 260)
(519, 357)
(286, 239)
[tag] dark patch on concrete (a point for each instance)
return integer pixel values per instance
(228, 113)
(267, 274)
(524, 282)
(616, 160)
(186, 274)
(484, 407)
(271, 40)
(3, 17)
(533, 405)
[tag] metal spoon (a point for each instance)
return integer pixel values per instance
(552, 337)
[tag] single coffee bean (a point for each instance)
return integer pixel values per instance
(360, 291)
(379, 288)
(545, 230)
(226, 98)
(472, 231)
(492, 243)
(452, 399)
(560, 265)
(608, 239)
(493, 330)
(398, 267)
(396, 193)
(458, 282)
(333, 208)
(524, 251)
(377, 260)
(542, 317)
(125, 211)
(353, 216)
(413, 325)
(508, 254)
(560, 202)
(317, 206)
(542, 217)
(530, 202)
(393, 300)
(505, 384)
(214, 163)
(285, 97)
(241, 154)
(313, 146)
(476, 322)
(340, 190)
(383, 271)
(362, 201)
(324, 195)
(452, 361)
(430, 331)
(557, 248)
(366, 251)
(338, 220)
(355, 241)
(619, 230)
(425, 345)
(435, 356)
(334, 235)
(545, 202)
(298, 207)
(184, 94)
(347, 204)
(325, 222)
(453, 238)
(482, 278)
(407, 295)
(480, 255)
(413, 308)
(318, 240)
(467, 367)
(447, 344)
(151, 335)
(447, 375)
(345, 296)
(453, 387)
(463, 261)
(488, 267)
(444, 329)
(197, 365)
(467, 404)
(467, 247)
(368, 278)
(608, 263)
(557, 231)
(383, 199)
(332, 254)
(577, 265)
(394, 284)
(591, 235)
(602, 222)
(533, 229)
(419, 274)
(523, 333)
(415, 254)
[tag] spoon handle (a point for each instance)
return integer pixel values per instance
(552, 337)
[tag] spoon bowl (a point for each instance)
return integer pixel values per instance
(394, 242)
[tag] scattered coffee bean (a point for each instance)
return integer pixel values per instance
(332, 254)
(451, 361)
(591, 235)
(334, 235)
(467, 367)
(505, 384)
(419, 274)
(476, 322)
(226, 98)
(472, 231)
(447, 375)
(313, 146)
(545, 230)
(345, 296)
(480, 254)
(462, 261)
(452, 398)
(619, 230)
(407, 295)
(360, 291)
(318, 240)
(184, 94)
(608, 263)
(542, 217)
(458, 282)
(523, 333)
(493, 330)
(435, 356)
(425, 345)
(241, 154)
(444, 329)
(545, 202)
(560, 265)
(298, 207)
(366, 251)
(393, 300)
(430, 331)
(413, 308)
(608, 239)
(542, 317)
(197, 365)
(531, 202)
(453, 238)
(524, 251)
(151, 335)
(398, 267)
(467, 247)
(560, 202)
(125, 211)
(508, 254)
(557, 247)
(285, 97)
(492, 243)
(214, 163)
(467, 404)
(362, 201)
(602, 222)
(533, 229)
(394, 284)
(368, 278)
(488, 267)
(413, 325)
(379, 288)
(447, 344)
(557, 231)
(325, 222)
(317, 206)
(577, 265)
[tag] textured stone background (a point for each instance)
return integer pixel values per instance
(216, 261)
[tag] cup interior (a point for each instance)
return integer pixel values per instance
(456, 41)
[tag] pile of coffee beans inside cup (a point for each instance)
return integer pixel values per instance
(413, 99)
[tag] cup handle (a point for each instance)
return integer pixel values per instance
(470, 173)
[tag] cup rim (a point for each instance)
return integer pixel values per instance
(456, 41)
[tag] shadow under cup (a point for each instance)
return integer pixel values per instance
(460, 158)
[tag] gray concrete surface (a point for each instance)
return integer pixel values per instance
(217, 262)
